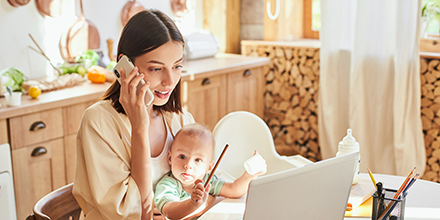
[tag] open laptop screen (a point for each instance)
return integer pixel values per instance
(316, 191)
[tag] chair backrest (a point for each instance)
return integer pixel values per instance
(245, 132)
(59, 204)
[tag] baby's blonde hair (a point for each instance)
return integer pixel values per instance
(196, 130)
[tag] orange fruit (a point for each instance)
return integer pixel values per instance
(95, 76)
(34, 92)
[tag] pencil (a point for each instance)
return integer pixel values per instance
(372, 177)
(215, 166)
(390, 206)
(404, 184)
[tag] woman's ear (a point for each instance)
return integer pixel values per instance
(120, 56)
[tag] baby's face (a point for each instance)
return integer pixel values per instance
(190, 159)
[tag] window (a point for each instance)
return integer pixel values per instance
(312, 22)
(431, 17)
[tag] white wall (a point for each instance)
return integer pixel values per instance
(17, 22)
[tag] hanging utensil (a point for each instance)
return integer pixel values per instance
(52, 8)
(42, 53)
(16, 3)
(130, 9)
(82, 35)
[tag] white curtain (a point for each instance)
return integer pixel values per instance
(370, 82)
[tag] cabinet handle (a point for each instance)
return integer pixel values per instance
(38, 151)
(206, 81)
(37, 126)
(246, 73)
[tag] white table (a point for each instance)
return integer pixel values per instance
(422, 202)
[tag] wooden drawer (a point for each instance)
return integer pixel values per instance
(35, 128)
(3, 132)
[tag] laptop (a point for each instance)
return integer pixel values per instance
(316, 191)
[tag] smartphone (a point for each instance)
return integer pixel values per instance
(128, 66)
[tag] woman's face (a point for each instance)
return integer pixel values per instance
(162, 67)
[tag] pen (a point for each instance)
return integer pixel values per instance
(372, 177)
(381, 198)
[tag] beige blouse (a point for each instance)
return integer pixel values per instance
(103, 185)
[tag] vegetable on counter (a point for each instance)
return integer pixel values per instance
(88, 55)
(11, 77)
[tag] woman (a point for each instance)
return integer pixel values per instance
(122, 145)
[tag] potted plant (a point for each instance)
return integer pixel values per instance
(430, 11)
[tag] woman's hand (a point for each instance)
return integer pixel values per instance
(199, 194)
(133, 103)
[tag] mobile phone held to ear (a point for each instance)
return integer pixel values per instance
(128, 66)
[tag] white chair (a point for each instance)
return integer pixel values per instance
(246, 132)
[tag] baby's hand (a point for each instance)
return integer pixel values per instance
(199, 194)
(256, 165)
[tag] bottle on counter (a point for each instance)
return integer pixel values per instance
(349, 145)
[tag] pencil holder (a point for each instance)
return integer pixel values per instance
(385, 207)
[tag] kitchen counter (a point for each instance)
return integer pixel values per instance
(87, 91)
(221, 63)
(83, 92)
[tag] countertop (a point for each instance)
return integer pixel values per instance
(87, 91)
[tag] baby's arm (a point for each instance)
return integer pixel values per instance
(239, 187)
(180, 209)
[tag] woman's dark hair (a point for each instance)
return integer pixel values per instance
(144, 32)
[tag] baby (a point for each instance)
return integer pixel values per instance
(181, 192)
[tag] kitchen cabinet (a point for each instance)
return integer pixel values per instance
(246, 91)
(209, 98)
(42, 132)
(42, 135)
(3, 132)
(205, 98)
(38, 169)
(210, 95)
(72, 117)
(44, 152)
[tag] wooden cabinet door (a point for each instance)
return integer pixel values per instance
(37, 174)
(245, 91)
(72, 116)
(3, 132)
(205, 99)
(70, 157)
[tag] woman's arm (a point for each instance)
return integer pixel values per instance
(134, 107)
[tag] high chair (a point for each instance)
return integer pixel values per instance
(245, 132)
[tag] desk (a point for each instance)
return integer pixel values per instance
(422, 203)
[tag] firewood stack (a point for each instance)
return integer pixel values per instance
(291, 97)
(430, 80)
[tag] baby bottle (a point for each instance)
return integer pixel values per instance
(349, 145)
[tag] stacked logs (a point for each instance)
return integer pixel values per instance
(291, 97)
(430, 80)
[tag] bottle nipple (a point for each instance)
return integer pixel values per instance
(349, 139)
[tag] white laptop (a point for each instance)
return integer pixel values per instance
(316, 191)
